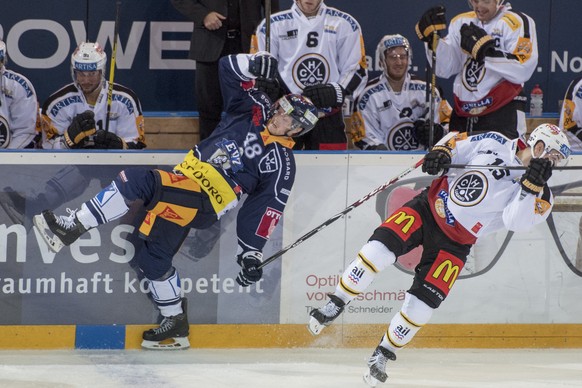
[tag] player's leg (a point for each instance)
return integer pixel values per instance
(108, 205)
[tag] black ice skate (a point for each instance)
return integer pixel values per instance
(58, 231)
(377, 366)
(172, 333)
(322, 317)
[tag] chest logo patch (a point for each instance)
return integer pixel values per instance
(469, 189)
(311, 69)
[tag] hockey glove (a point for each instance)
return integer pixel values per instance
(435, 161)
(331, 95)
(476, 42)
(105, 140)
(82, 126)
(422, 132)
(270, 87)
(536, 175)
(250, 273)
(431, 22)
(263, 65)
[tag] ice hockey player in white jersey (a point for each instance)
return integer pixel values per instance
(321, 55)
(446, 219)
(571, 114)
(75, 116)
(18, 107)
(491, 51)
(393, 110)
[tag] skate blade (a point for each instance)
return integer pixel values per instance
(369, 379)
(176, 343)
(53, 242)
(314, 326)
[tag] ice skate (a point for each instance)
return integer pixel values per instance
(58, 231)
(377, 366)
(172, 334)
(322, 317)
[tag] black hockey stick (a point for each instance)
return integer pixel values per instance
(112, 66)
(490, 167)
(268, 25)
(342, 213)
(432, 89)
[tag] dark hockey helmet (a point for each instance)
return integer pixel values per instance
(300, 109)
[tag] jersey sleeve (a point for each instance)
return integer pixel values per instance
(263, 208)
(23, 112)
(527, 210)
(351, 58)
(449, 56)
(366, 123)
(571, 113)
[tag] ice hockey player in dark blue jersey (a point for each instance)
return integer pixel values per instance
(249, 153)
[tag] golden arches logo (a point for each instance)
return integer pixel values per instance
(401, 218)
(450, 275)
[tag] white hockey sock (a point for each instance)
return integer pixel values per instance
(107, 205)
(406, 323)
(373, 258)
(167, 294)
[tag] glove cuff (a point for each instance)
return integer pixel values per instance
(530, 187)
(444, 149)
(476, 52)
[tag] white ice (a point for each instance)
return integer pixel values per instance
(286, 368)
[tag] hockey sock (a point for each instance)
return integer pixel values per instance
(166, 292)
(406, 323)
(107, 205)
(373, 258)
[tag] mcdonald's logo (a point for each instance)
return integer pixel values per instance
(403, 222)
(444, 271)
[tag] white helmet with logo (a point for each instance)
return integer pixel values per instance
(390, 41)
(88, 56)
(553, 138)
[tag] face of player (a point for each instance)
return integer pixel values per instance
(485, 9)
(88, 81)
(396, 60)
(554, 155)
(309, 7)
(282, 124)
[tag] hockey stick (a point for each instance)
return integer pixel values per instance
(268, 25)
(490, 167)
(432, 90)
(342, 213)
(112, 66)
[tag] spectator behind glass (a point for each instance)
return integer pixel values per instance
(221, 27)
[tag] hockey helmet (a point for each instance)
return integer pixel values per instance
(88, 56)
(391, 41)
(300, 109)
(554, 139)
(3, 54)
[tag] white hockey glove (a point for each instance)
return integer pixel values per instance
(250, 273)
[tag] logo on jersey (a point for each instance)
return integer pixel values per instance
(469, 189)
(474, 73)
(401, 332)
(401, 138)
(443, 273)
(268, 222)
(311, 69)
(269, 162)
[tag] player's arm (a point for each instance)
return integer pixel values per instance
(352, 65)
(23, 114)
(365, 125)
(571, 113)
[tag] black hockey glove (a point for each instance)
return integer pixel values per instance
(422, 132)
(431, 22)
(249, 274)
(331, 95)
(536, 175)
(476, 42)
(263, 65)
(82, 126)
(435, 161)
(269, 87)
(105, 140)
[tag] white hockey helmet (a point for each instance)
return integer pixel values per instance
(390, 41)
(3, 54)
(88, 56)
(553, 138)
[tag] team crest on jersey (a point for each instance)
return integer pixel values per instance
(474, 73)
(269, 162)
(469, 189)
(401, 138)
(311, 69)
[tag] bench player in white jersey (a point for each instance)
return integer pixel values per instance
(392, 112)
(18, 107)
(321, 55)
(491, 51)
(75, 115)
(447, 218)
(571, 114)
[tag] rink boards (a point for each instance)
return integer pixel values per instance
(517, 290)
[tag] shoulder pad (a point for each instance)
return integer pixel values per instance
(468, 15)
